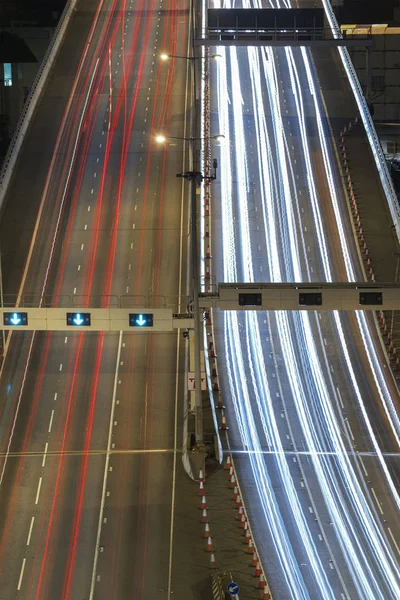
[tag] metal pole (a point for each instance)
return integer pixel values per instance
(196, 314)
(195, 182)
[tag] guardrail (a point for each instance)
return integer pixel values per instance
(32, 100)
(379, 158)
(177, 303)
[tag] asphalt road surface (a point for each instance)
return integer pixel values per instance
(306, 394)
(89, 421)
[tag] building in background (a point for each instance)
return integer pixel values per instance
(365, 11)
(378, 68)
(26, 28)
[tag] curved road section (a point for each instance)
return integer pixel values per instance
(88, 422)
(313, 409)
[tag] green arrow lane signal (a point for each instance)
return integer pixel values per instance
(16, 319)
(141, 319)
(78, 319)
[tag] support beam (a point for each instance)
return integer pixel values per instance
(304, 296)
(277, 43)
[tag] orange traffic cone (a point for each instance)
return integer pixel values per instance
(238, 501)
(232, 481)
(203, 503)
(261, 582)
(201, 478)
(213, 563)
(254, 560)
(243, 521)
(219, 406)
(209, 544)
(201, 489)
(257, 571)
(204, 517)
(207, 531)
(228, 463)
(223, 424)
(266, 595)
(250, 547)
(246, 533)
(240, 513)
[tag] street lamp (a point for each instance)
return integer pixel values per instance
(161, 138)
(164, 56)
(195, 179)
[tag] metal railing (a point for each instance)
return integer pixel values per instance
(373, 139)
(32, 100)
(266, 33)
(179, 304)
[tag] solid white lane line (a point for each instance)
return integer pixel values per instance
(38, 490)
(28, 541)
(51, 420)
(21, 575)
(377, 501)
(106, 467)
(43, 198)
(28, 360)
(171, 533)
(45, 454)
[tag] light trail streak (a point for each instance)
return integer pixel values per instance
(363, 542)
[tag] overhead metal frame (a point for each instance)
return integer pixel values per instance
(101, 319)
(273, 27)
(228, 296)
(303, 296)
(246, 40)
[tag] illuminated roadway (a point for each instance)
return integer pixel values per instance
(85, 508)
(314, 405)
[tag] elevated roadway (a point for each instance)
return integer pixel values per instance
(88, 421)
(312, 406)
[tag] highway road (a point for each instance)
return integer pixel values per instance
(89, 422)
(312, 407)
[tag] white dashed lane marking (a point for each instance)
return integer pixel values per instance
(21, 574)
(28, 541)
(45, 454)
(51, 420)
(377, 501)
(38, 490)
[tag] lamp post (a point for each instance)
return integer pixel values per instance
(195, 178)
